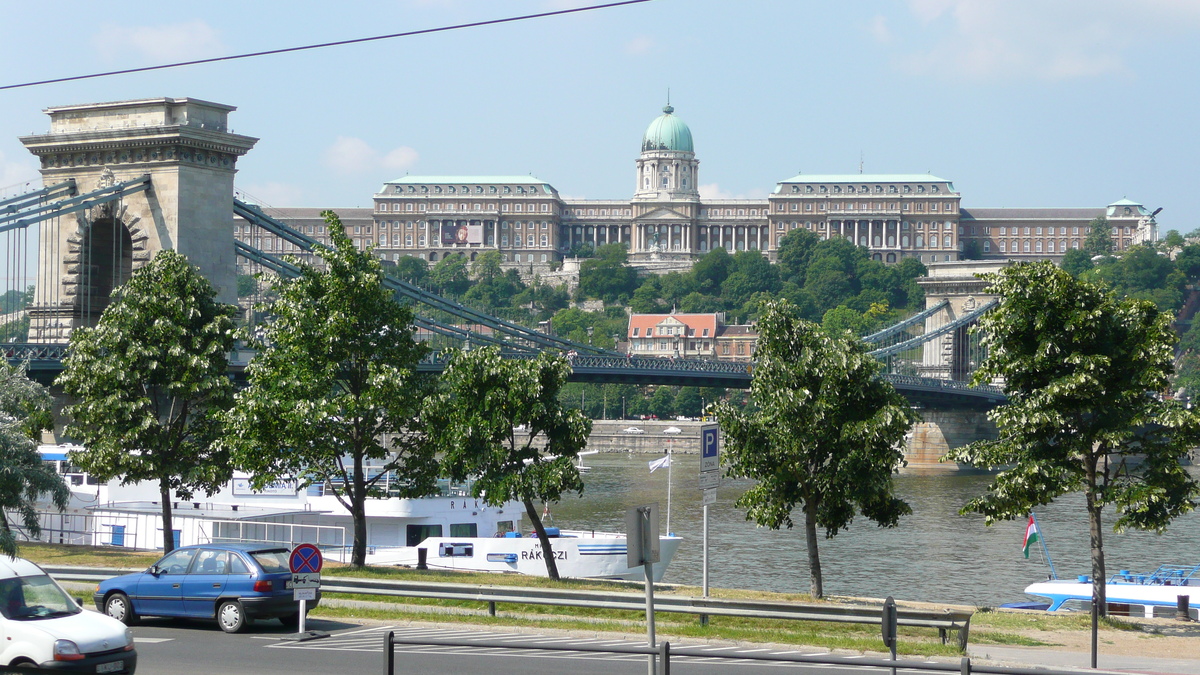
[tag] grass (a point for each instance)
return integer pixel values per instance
(987, 627)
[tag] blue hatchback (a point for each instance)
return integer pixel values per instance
(234, 583)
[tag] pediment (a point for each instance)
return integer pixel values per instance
(663, 213)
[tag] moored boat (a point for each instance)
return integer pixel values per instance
(1158, 589)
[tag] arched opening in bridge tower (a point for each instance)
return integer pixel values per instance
(107, 263)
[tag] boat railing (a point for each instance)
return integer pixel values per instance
(1165, 575)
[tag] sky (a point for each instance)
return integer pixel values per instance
(1018, 102)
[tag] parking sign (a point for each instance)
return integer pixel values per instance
(710, 459)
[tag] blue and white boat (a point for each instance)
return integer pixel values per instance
(1158, 589)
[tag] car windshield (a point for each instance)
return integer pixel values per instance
(33, 598)
(272, 561)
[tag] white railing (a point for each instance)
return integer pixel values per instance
(329, 538)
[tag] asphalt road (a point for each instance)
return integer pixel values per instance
(179, 647)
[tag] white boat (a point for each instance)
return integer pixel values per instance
(457, 530)
(1160, 588)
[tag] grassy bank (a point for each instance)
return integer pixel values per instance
(987, 627)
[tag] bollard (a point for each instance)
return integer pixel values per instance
(389, 653)
(1181, 607)
(965, 666)
(491, 608)
(664, 655)
(422, 556)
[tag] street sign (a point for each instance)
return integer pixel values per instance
(709, 497)
(710, 459)
(304, 594)
(710, 480)
(641, 535)
(300, 580)
(305, 559)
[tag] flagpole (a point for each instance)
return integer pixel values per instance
(1042, 539)
(669, 463)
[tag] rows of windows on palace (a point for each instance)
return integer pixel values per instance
(780, 207)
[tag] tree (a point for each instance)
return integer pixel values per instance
(662, 402)
(710, 271)
(334, 385)
(246, 285)
(607, 276)
(972, 250)
(412, 269)
(151, 381)
(483, 399)
(824, 434)
(1081, 368)
(24, 477)
(1076, 262)
(449, 276)
(1099, 238)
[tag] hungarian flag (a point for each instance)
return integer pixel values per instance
(1031, 535)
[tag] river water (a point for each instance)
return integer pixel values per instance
(934, 555)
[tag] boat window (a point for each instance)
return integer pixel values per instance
(464, 530)
(504, 526)
(419, 533)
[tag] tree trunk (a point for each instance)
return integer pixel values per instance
(1097, 536)
(547, 551)
(817, 585)
(358, 511)
(164, 493)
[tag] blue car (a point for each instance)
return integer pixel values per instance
(233, 583)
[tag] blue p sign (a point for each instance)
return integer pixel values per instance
(709, 450)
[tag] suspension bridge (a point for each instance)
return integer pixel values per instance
(123, 181)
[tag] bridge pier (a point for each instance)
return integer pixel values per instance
(938, 432)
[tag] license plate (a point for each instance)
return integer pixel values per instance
(110, 667)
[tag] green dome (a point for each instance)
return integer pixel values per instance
(667, 132)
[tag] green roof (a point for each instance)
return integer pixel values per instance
(866, 178)
(1125, 202)
(464, 180)
(667, 132)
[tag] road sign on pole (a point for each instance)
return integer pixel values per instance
(709, 497)
(305, 559)
(305, 563)
(710, 452)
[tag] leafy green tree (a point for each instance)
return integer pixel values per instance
(1141, 272)
(711, 270)
(483, 398)
(1080, 368)
(150, 382)
(607, 276)
(647, 299)
(795, 251)
(687, 401)
(1076, 262)
(13, 300)
(971, 250)
(696, 303)
(1188, 262)
(246, 285)
(412, 269)
(1099, 238)
(334, 386)
(449, 275)
(750, 273)
(487, 266)
(1172, 240)
(25, 411)
(662, 402)
(824, 434)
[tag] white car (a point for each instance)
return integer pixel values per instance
(633, 430)
(45, 628)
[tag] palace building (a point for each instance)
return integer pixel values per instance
(666, 224)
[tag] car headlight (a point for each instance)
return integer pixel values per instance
(66, 650)
(128, 639)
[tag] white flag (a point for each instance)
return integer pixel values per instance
(660, 463)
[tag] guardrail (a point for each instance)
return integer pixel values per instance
(944, 621)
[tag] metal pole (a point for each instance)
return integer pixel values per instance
(303, 611)
(389, 653)
(1095, 626)
(649, 567)
(704, 617)
(664, 653)
(669, 463)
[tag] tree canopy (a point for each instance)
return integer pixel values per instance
(823, 432)
(150, 382)
(333, 395)
(24, 478)
(1099, 238)
(1081, 369)
(483, 398)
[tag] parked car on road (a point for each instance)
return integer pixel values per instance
(633, 430)
(43, 627)
(233, 583)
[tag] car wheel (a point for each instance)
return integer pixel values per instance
(231, 617)
(290, 621)
(24, 664)
(120, 608)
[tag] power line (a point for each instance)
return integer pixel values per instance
(339, 43)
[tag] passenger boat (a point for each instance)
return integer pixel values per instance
(1158, 589)
(456, 530)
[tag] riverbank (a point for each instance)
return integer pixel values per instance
(994, 634)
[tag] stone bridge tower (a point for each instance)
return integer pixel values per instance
(186, 148)
(948, 357)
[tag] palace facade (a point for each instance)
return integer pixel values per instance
(666, 224)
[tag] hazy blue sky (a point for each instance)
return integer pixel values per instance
(1019, 102)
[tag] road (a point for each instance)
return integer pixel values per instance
(178, 647)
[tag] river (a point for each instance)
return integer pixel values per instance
(934, 554)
